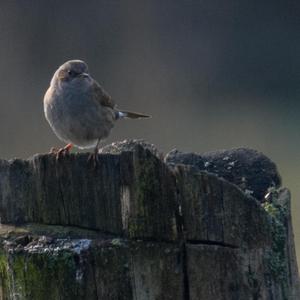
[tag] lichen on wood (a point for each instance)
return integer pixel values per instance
(143, 227)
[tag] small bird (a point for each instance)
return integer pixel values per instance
(78, 109)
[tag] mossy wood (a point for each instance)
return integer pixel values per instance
(137, 227)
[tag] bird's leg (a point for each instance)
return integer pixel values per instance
(62, 151)
(94, 155)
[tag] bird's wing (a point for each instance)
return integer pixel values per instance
(101, 96)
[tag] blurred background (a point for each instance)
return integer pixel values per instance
(213, 74)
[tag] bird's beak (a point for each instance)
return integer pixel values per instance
(84, 75)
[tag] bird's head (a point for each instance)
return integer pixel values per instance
(72, 73)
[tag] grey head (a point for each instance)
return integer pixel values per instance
(71, 73)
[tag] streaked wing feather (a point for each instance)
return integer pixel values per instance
(101, 96)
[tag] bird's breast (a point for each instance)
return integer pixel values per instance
(77, 117)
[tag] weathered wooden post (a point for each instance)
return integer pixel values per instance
(143, 227)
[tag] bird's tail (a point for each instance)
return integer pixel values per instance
(130, 115)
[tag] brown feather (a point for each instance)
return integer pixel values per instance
(101, 96)
(62, 75)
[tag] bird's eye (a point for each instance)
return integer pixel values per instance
(72, 73)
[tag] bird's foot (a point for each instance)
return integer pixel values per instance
(62, 152)
(94, 158)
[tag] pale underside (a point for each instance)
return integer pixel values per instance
(78, 119)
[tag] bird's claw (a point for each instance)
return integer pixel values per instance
(62, 152)
(94, 159)
(53, 151)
